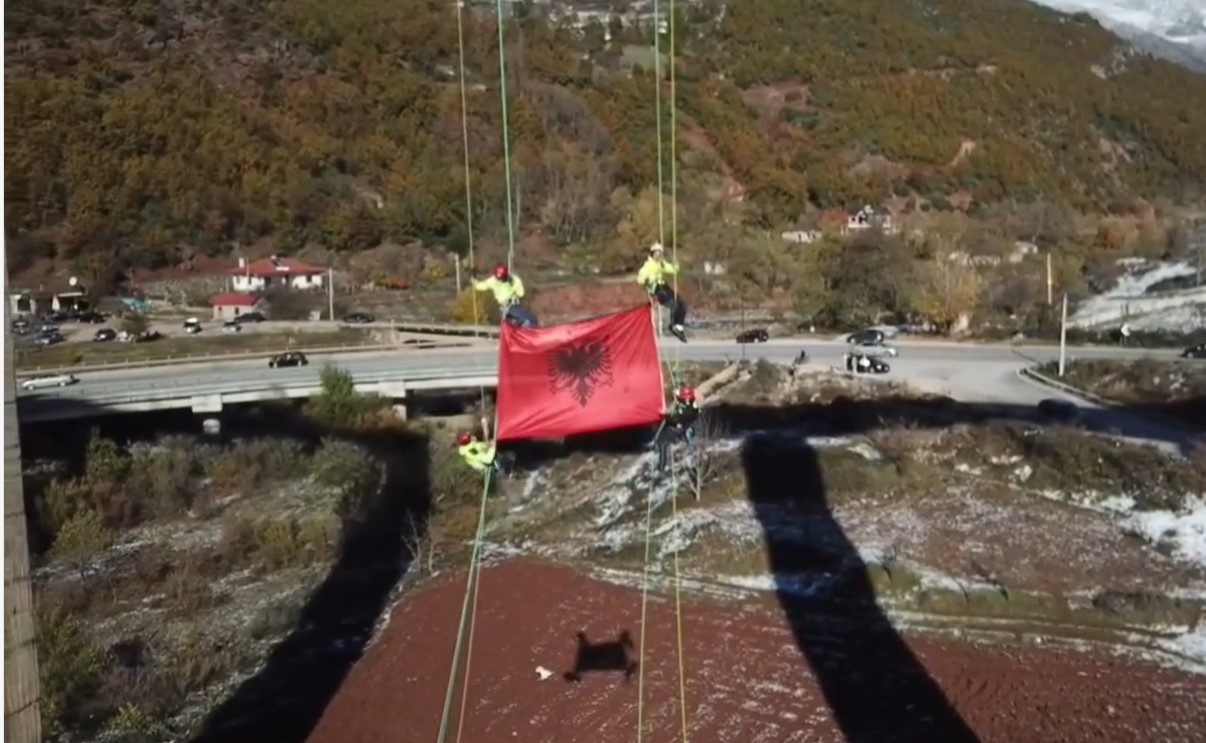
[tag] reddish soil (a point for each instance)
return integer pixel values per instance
(746, 680)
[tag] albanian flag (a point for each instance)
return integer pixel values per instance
(581, 377)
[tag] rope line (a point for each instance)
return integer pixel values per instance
(506, 134)
(661, 238)
(460, 632)
(678, 605)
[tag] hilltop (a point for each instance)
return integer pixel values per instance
(141, 134)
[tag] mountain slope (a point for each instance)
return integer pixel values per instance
(137, 130)
(1172, 29)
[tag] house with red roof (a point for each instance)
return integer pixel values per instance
(233, 304)
(275, 272)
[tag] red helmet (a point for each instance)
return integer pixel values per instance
(501, 273)
(464, 438)
(686, 394)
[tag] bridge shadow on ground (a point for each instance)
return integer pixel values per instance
(608, 656)
(285, 699)
(874, 685)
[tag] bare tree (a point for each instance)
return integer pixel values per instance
(704, 453)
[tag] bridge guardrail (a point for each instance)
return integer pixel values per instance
(25, 372)
(175, 388)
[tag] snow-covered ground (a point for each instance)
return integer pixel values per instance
(1181, 311)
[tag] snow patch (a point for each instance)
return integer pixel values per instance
(1184, 530)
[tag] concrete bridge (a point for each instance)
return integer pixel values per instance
(203, 397)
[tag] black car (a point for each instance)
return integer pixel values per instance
(1058, 411)
(92, 317)
(288, 358)
(753, 335)
(359, 318)
(1195, 352)
(250, 317)
(103, 335)
(866, 337)
(861, 363)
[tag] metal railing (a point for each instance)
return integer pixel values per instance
(173, 389)
(26, 371)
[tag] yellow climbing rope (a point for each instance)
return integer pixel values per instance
(674, 372)
(473, 579)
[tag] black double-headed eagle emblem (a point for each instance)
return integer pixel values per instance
(580, 368)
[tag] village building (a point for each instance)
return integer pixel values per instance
(230, 306)
(275, 272)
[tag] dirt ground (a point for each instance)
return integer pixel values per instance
(747, 679)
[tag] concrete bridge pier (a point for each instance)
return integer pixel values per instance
(395, 391)
(22, 714)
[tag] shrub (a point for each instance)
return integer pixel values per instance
(162, 478)
(62, 500)
(69, 664)
(252, 463)
(104, 462)
(470, 306)
(82, 536)
(339, 404)
(288, 541)
(354, 472)
(131, 724)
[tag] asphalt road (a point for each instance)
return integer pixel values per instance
(965, 371)
(971, 373)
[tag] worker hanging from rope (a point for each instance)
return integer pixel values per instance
(678, 425)
(481, 456)
(508, 290)
(655, 276)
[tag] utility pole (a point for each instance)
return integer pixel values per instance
(331, 293)
(456, 260)
(1063, 336)
(22, 715)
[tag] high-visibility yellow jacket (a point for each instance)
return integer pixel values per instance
(655, 272)
(504, 291)
(478, 455)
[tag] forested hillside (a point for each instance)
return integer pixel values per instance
(135, 129)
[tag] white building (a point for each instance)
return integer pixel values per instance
(277, 272)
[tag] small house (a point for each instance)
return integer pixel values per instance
(232, 305)
(275, 272)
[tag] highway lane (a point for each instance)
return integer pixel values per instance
(966, 371)
(972, 373)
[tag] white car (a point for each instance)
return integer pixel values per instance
(878, 349)
(192, 326)
(50, 380)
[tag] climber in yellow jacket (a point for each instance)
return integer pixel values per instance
(655, 276)
(508, 291)
(481, 456)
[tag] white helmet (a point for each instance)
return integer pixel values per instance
(656, 248)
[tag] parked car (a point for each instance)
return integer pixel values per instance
(192, 326)
(48, 380)
(1058, 411)
(250, 317)
(861, 363)
(870, 336)
(1195, 352)
(21, 326)
(104, 335)
(92, 317)
(878, 349)
(288, 358)
(48, 338)
(231, 326)
(147, 336)
(359, 318)
(753, 335)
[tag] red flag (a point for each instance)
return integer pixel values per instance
(581, 377)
